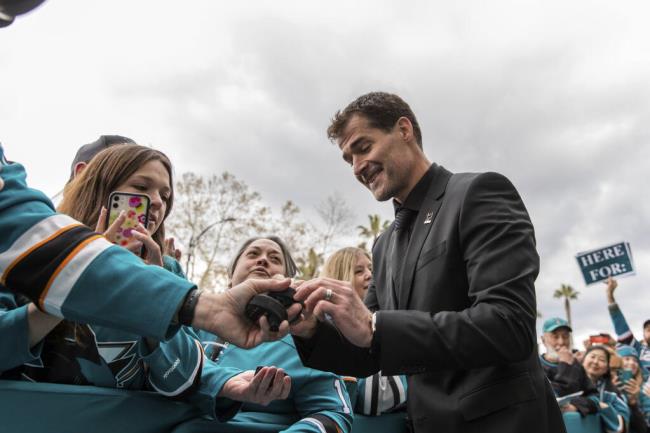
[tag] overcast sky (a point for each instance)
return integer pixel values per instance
(553, 94)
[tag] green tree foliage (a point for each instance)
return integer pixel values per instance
(309, 265)
(568, 293)
(372, 231)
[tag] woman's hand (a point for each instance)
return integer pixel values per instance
(171, 250)
(154, 254)
(632, 388)
(140, 237)
(110, 233)
(270, 383)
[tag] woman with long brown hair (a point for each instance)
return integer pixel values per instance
(125, 168)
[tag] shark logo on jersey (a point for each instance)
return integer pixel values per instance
(73, 355)
(121, 359)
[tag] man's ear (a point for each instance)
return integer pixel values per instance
(79, 167)
(405, 128)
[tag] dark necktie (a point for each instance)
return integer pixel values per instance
(399, 245)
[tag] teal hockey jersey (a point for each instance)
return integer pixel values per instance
(318, 401)
(625, 336)
(112, 358)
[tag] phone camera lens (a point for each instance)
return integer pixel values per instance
(116, 198)
(115, 205)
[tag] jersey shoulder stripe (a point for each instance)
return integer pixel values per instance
(33, 238)
(68, 272)
(45, 262)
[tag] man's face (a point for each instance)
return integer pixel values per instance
(380, 160)
(555, 340)
(646, 334)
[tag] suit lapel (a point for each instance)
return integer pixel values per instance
(421, 227)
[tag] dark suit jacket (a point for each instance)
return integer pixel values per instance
(463, 329)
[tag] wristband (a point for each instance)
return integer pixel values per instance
(186, 313)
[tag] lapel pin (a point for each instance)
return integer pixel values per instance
(429, 217)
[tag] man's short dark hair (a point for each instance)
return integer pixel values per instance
(381, 109)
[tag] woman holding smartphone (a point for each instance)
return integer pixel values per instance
(613, 409)
(629, 380)
(67, 352)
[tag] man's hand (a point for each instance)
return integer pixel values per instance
(611, 286)
(223, 313)
(565, 355)
(302, 323)
(269, 384)
(344, 306)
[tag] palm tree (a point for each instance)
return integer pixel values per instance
(308, 266)
(374, 228)
(566, 291)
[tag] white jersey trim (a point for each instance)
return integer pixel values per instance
(189, 381)
(70, 273)
(317, 423)
(32, 237)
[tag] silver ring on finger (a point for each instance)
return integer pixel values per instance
(328, 295)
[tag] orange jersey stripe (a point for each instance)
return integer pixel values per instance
(63, 264)
(34, 247)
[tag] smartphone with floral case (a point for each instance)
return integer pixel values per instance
(136, 207)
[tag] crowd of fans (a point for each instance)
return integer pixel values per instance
(608, 379)
(262, 389)
(268, 388)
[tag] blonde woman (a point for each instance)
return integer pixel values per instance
(377, 394)
(350, 264)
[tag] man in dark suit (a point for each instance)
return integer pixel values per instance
(452, 304)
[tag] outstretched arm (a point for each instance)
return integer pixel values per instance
(624, 334)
